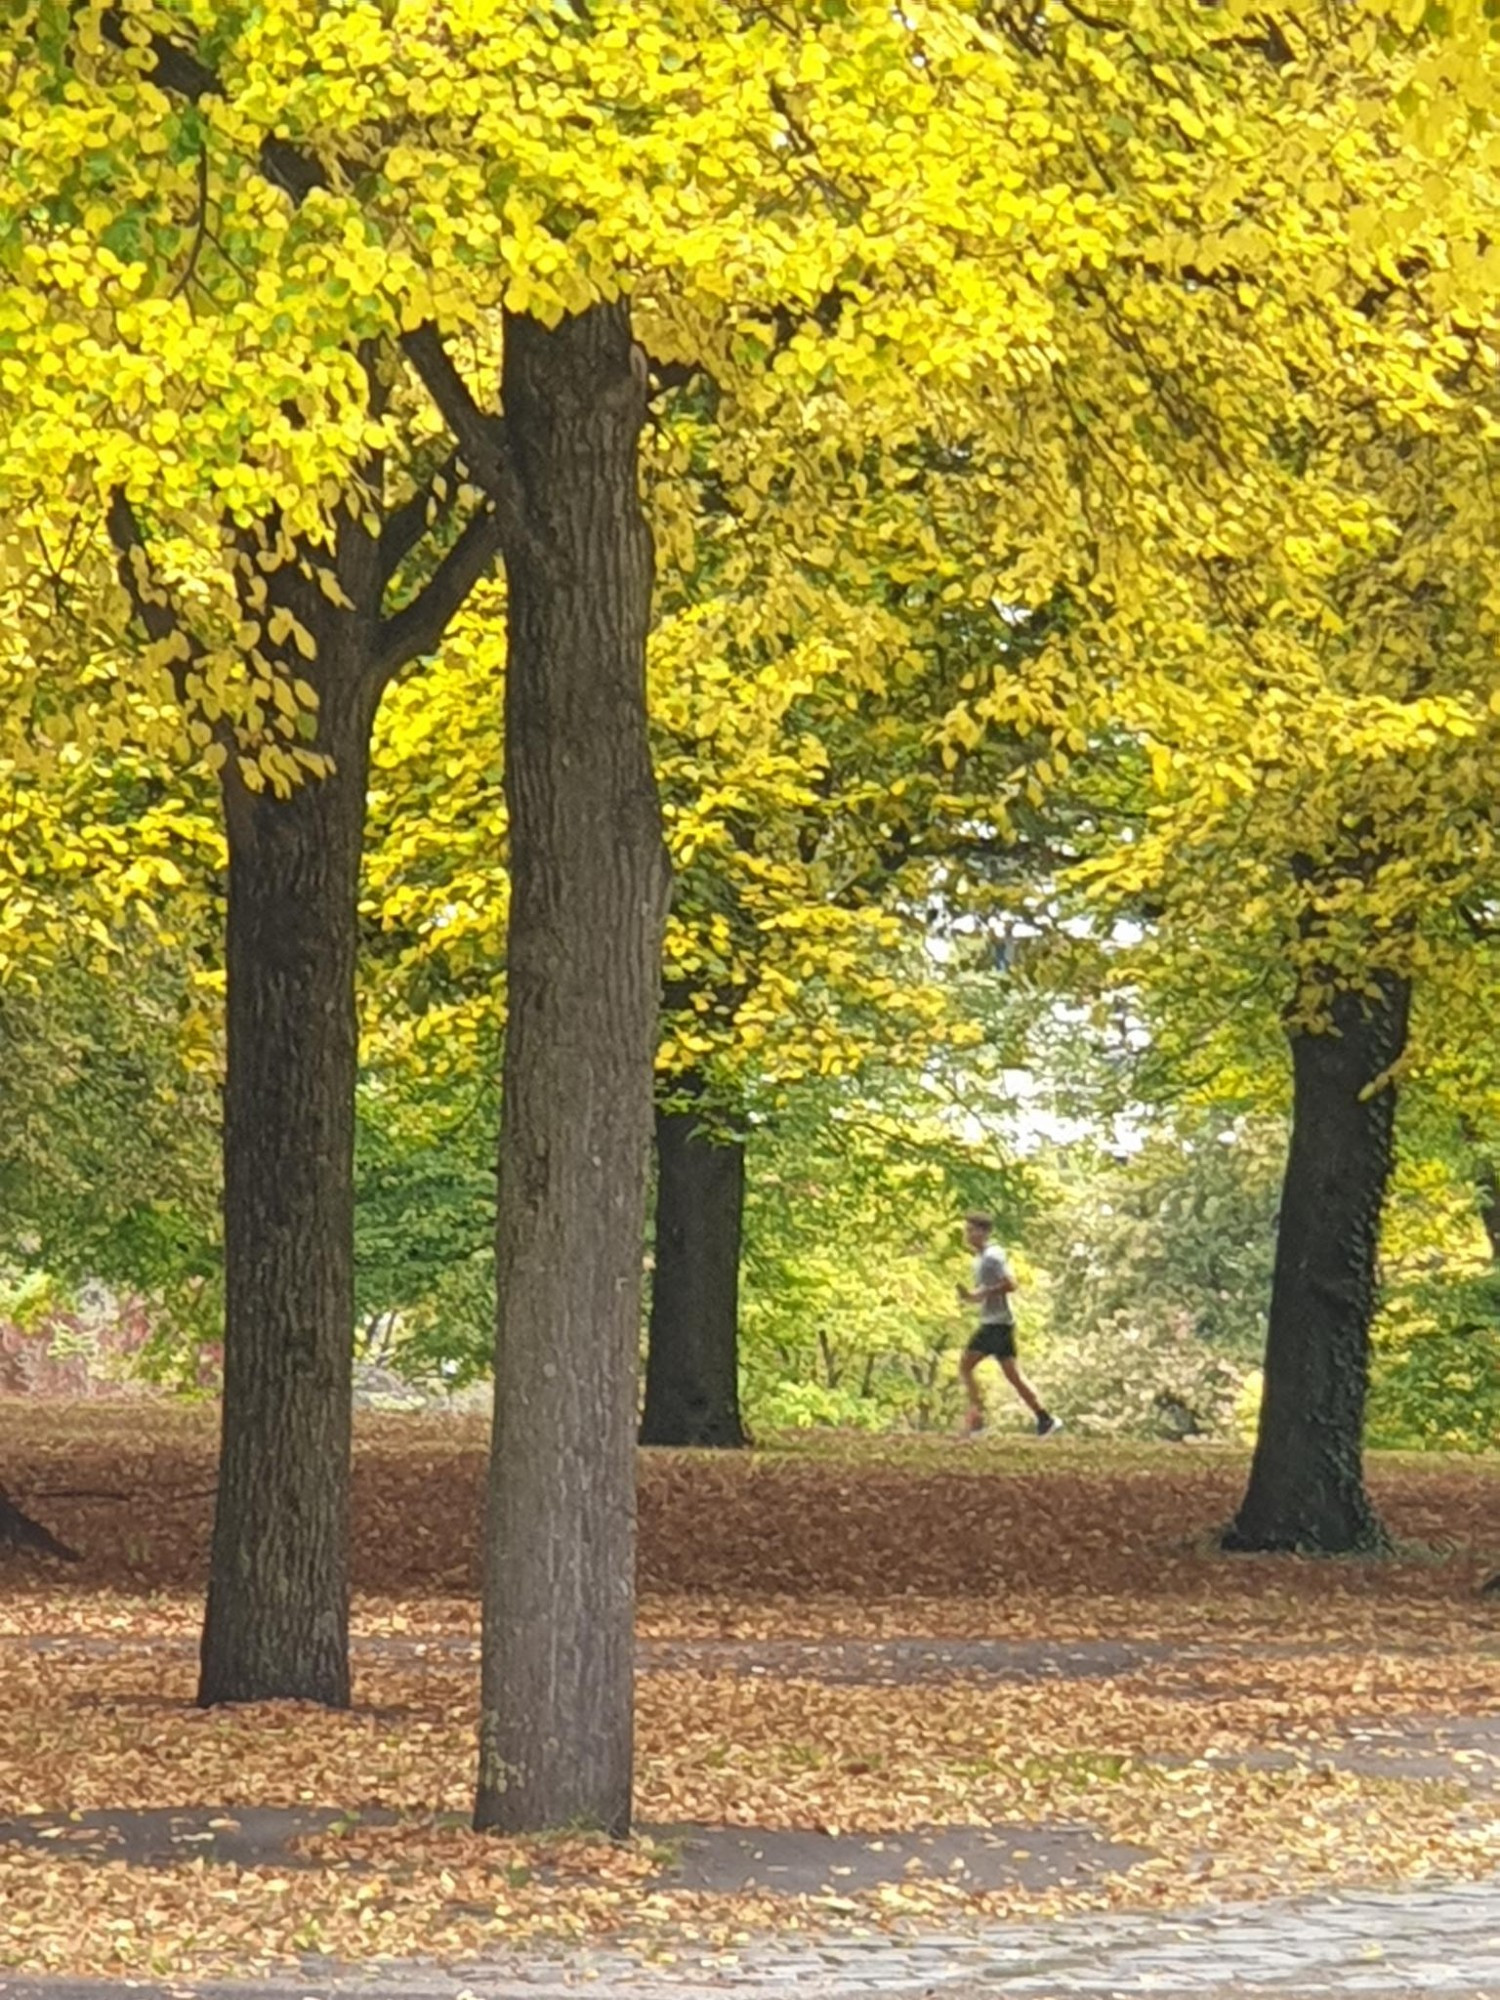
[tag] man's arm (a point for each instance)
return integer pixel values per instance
(1002, 1285)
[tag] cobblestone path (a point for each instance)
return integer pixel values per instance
(1437, 1942)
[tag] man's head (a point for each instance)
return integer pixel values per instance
(977, 1229)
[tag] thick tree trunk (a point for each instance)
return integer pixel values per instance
(277, 1617)
(1306, 1488)
(583, 955)
(692, 1355)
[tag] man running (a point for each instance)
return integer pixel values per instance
(995, 1335)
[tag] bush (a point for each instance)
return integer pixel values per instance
(1435, 1370)
(1156, 1269)
(1124, 1377)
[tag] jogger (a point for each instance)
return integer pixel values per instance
(995, 1336)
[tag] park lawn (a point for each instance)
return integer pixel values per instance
(1217, 1753)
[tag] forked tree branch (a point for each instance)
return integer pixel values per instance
(419, 628)
(478, 434)
(405, 525)
(474, 428)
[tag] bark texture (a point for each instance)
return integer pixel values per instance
(692, 1354)
(1306, 1488)
(588, 897)
(277, 1616)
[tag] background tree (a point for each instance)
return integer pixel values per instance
(107, 1044)
(1343, 817)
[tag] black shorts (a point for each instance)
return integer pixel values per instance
(994, 1338)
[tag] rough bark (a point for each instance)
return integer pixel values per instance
(692, 1353)
(276, 1622)
(1306, 1488)
(277, 1616)
(583, 954)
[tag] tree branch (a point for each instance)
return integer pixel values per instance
(18, 1531)
(180, 73)
(1483, 929)
(478, 432)
(174, 68)
(200, 231)
(1102, 24)
(407, 524)
(419, 628)
(149, 601)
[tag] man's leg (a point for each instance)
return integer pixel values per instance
(968, 1361)
(1012, 1371)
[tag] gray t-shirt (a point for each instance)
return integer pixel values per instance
(990, 1268)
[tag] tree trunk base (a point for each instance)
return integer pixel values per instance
(1356, 1532)
(23, 1536)
(237, 1669)
(709, 1439)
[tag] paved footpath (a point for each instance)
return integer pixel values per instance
(1435, 1941)
(906, 1662)
(1439, 1942)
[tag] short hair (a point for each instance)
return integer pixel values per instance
(977, 1219)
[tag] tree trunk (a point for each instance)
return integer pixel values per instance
(278, 1595)
(1306, 1488)
(692, 1354)
(583, 956)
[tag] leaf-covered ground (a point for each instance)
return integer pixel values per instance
(1253, 1724)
